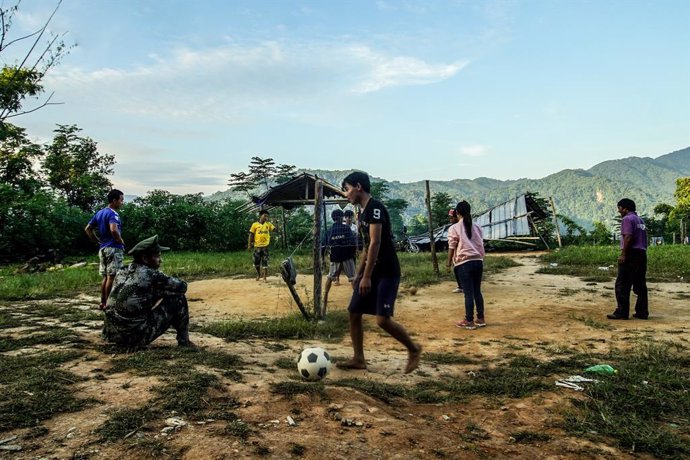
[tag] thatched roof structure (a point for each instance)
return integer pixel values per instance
(298, 191)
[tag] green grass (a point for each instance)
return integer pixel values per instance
(46, 335)
(640, 415)
(174, 361)
(293, 326)
(417, 270)
(664, 263)
(591, 322)
(292, 388)
(447, 358)
(125, 421)
(35, 389)
(530, 437)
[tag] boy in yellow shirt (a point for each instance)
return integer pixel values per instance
(260, 238)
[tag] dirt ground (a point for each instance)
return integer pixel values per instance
(535, 314)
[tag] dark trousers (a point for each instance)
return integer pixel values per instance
(457, 278)
(632, 274)
(470, 273)
(173, 311)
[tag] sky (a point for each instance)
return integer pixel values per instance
(184, 93)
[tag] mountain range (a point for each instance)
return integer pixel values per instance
(583, 195)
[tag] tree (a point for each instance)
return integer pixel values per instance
(76, 170)
(23, 79)
(441, 202)
(262, 172)
(600, 234)
(17, 157)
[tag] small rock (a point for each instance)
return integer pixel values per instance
(511, 439)
(359, 424)
(290, 421)
(11, 447)
(6, 440)
(504, 408)
(175, 422)
(167, 430)
(445, 418)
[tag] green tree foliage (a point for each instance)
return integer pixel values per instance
(17, 157)
(22, 80)
(76, 170)
(441, 202)
(682, 196)
(601, 235)
(185, 222)
(263, 172)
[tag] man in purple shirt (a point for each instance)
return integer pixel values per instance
(111, 247)
(632, 264)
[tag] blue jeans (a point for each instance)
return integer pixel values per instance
(470, 273)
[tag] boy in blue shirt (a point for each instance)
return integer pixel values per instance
(108, 236)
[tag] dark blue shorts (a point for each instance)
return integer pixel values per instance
(380, 300)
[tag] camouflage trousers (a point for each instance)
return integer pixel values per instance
(172, 311)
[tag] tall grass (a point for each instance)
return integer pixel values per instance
(664, 263)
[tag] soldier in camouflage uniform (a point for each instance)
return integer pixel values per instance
(144, 302)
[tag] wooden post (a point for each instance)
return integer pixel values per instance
(536, 230)
(318, 208)
(432, 241)
(555, 222)
(285, 245)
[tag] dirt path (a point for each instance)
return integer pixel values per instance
(526, 312)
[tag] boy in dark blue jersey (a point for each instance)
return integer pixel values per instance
(378, 276)
(111, 247)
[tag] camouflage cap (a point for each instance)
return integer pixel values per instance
(148, 245)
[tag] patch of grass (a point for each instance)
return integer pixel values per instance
(285, 363)
(46, 336)
(474, 433)
(238, 429)
(591, 322)
(385, 392)
(664, 263)
(530, 437)
(8, 321)
(636, 414)
(187, 394)
(297, 450)
(174, 360)
(34, 389)
(567, 292)
(126, 421)
(447, 358)
(290, 389)
(288, 327)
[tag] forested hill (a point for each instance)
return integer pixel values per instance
(584, 195)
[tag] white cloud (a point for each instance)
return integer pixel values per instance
(474, 150)
(400, 70)
(231, 82)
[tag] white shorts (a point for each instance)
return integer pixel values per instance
(347, 266)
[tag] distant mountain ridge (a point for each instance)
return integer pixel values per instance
(585, 196)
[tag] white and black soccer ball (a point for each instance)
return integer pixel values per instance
(313, 363)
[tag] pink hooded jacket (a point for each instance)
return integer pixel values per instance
(466, 249)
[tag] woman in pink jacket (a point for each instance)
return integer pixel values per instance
(466, 253)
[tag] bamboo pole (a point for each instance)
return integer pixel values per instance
(318, 209)
(432, 241)
(555, 222)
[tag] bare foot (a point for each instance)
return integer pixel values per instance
(413, 358)
(351, 364)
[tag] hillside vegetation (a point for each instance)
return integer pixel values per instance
(584, 195)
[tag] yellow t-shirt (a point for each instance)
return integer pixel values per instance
(262, 235)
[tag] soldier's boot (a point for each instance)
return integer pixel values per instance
(183, 339)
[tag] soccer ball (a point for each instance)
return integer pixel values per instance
(313, 363)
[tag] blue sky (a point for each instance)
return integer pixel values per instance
(184, 93)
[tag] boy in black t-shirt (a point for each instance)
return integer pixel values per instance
(378, 276)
